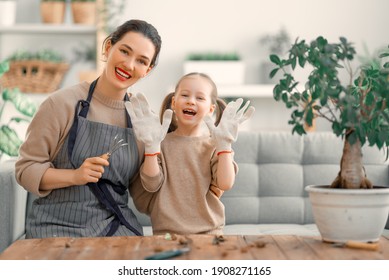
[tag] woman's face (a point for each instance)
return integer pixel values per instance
(129, 59)
(192, 101)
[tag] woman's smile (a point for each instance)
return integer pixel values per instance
(121, 74)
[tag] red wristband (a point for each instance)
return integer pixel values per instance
(224, 152)
(151, 155)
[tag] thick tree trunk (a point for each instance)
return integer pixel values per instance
(352, 174)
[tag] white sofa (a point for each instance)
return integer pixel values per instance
(268, 196)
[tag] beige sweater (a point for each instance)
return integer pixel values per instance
(183, 203)
(50, 126)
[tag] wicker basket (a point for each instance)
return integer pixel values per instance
(34, 76)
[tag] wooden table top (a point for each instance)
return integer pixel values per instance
(202, 247)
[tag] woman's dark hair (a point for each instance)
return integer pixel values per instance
(139, 26)
(167, 102)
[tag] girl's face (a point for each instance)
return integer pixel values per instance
(128, 60)
(192, 102)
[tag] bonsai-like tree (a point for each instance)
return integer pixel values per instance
(358, 111)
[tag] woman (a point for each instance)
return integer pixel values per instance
(81, 192)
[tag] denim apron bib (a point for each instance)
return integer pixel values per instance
(95, 209)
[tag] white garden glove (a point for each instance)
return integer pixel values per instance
(146, 123)
(227, 131)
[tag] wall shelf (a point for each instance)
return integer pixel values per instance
(248, 91)
(37, 28)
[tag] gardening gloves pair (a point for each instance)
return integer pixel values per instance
(147, 127)
(227, 130)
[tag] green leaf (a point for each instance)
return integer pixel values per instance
(299, 129)
(277, 92)
(369, 99)
(273, 72)
(275, 59)
(309, 116)
(9, 141)
(337, 128)
(4, 67)
(21, 102)
(285, 97)
(383, 55)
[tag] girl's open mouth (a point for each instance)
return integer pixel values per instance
(189, 112)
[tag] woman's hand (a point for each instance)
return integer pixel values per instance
(90, 171)
(147, 126)
(227, 131)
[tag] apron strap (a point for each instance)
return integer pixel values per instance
(101, 191)
(83, 112)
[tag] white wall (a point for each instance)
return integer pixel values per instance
(231, 25)
(225, 25)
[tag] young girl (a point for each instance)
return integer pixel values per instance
(179, 172)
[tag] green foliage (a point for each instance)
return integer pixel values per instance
(111, 13)
(360, 106)
(45, 54)
(214, 56)
(9, 140)
(277, 43)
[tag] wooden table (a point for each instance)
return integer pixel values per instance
(202, 247)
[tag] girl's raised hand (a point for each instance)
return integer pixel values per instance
(227, 131)
(147, 126)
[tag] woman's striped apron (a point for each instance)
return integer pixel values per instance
(95, 209)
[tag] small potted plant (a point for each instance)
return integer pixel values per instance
(25, 108)
(84, 11)
(223, 68)
(358, 111)
(53, 11)
(277, 43)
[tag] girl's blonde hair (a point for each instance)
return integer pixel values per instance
(218, 102)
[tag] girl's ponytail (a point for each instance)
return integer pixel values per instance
(167, 104)
(220, 106)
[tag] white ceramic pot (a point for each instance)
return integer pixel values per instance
(343, 215)
(7, 12)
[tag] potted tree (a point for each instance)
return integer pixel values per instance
(358, 110)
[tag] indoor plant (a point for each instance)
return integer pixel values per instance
(223, 68)
(53, 11)
(9, 139)
(277, 43)
(35, 72)
(359, 113)
(84, 11)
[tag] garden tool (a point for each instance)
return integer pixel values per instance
(358, 245)
(168, 254)
(115, 145)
